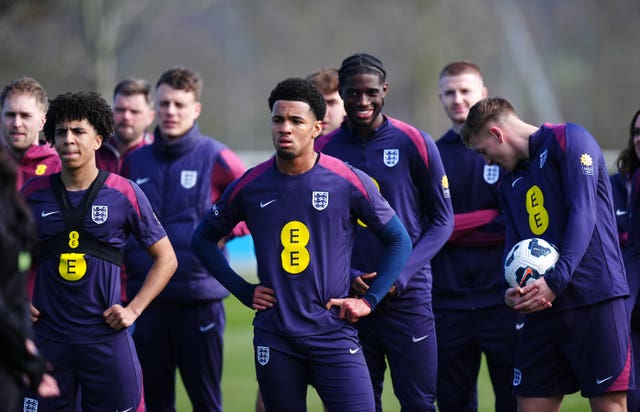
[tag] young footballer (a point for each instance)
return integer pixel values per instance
(405, 164)
(84, 218)
(576, 331)
(302, 209)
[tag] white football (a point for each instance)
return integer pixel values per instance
(528, 260)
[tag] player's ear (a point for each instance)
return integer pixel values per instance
(317, 128)
(496, 133)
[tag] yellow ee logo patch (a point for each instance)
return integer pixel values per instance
(72, 266)
(538, 215)
(294, 238)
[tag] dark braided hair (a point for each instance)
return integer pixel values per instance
(78, 106)
(628, 161)
(361, 63)
(300, 90)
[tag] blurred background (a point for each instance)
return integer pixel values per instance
(570, 60)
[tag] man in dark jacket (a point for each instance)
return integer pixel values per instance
(182, 173)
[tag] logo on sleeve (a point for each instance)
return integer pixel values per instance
(491, 173)
(390, 157)
(320, 200)
(543, 158)
(586, 163)
(99, 213)
(188, 178)
(444, 182)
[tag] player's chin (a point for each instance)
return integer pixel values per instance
(285, 154)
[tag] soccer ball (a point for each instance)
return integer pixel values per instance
(528, 260)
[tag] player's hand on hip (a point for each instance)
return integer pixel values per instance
(119, 317)
(263, 298)
(350, 309)
(360, 285)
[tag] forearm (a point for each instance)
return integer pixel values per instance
(163, 267)
(397, 250)
(204, 244)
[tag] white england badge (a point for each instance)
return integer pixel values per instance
(188, 178)
(99, 213)
(390, 157)
(491, 173)
(262, 355)
(320, 200)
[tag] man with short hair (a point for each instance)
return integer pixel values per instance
(326, 79)
(576, 330)
(84, 218)
(303, 208)
(24, 104)
(132, 114)
(183, 172)
(468, 275)
(405, 164)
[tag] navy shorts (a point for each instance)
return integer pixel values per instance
(108, 374)
(586, 349)
(333, 363)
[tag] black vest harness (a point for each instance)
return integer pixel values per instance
(84, 242)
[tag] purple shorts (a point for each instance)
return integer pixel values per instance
(108, 374)
(333, 363)
(586, 349)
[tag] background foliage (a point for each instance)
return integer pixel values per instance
(570, 60)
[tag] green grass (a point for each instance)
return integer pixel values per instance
(239, 384)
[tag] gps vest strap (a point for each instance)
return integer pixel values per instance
(74, 221)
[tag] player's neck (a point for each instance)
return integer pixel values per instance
(297, 165)
(80, 178)
(124, 146)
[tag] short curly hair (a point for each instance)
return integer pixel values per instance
(299, 90)
(81, 105)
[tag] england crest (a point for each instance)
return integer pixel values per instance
(391, 157)
(320, 200)
(30, 405)
(517, 377)
(188, 178)
(99, 213)
(491, 173)
(262, 355)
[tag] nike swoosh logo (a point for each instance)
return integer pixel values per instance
(414, 339)
(600, 381)
(516, 181)
(354, 351)
(142, 180)
(207, 327)
(519, 326)
(45, 214)
(126, 410)
(620, 212)
(265, 204)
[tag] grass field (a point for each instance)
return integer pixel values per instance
(239, 385)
